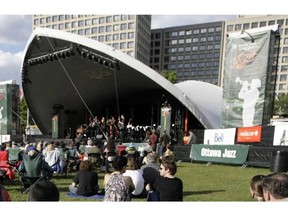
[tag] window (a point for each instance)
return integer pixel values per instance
(195, 48)
(101, 38)
(285, 49)
(204, 30)
(210, 38)
(246, 26)
(87, 22)
(101, 29)
(48, 19)
(263, 23)
(130, 44)
(196, 31)
(131, 35)
(181, 49)
(61, 26)
(202, 47)
(115, 36)
(81, 32)
(282, 86)
(94, 30)
(109, 19)
(284, 59)
(131, 25)
(173, 58)
(181, 41)
(187, 49)
(203, 39)
(195, 40)
(116, 18)
(123, 26)
(188, 40)
(42, 21)
(123, 45)
(108, 37)
(67, 17)
(123, 36)
(271, 22)
(94, 21)
(188, 32)
(254, 25)
(116, 27)
(115, 45)
(211, 29)
(101, 20)
(174, 42)
(180, 58)
(218, 29)
(80, 23)
(87, 31)
(229, 28)
(181, 33)
(174, 34)
(123, 17)
(238, 27)
(284, 68)
(109, 28)
(67, 25)
(285, 41)
(283, 77)
(54, 18)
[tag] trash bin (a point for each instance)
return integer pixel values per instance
(279, 161)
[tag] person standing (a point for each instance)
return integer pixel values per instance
(164, 140)
(153, 138)
(170, 187)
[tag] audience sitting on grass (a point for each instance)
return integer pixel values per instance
(85, 182)
(118, 188)
(43, 190)
(256, 190)
(137, 178)
(52, 157)
(150, 171)
(275, 187)
(170, 188)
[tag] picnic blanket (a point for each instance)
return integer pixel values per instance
(97, 196)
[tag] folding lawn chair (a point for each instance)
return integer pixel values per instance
(32, 169)
(4, 165)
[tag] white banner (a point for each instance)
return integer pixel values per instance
(220, 136)
(4, 138)
(280, 135)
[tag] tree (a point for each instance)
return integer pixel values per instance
(23, 112)
(281, 105)
(170, 75)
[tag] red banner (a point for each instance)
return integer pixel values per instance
(249, 134)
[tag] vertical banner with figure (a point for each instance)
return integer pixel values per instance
(166, 119)
(55, 127)
(247, 78)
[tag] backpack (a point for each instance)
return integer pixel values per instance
(116, 189)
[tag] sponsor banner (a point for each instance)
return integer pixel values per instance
(247, 79)
(233, 154)
(219, 136)
(280, 135)
(249, 134)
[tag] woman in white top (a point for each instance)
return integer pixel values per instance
(136, 175)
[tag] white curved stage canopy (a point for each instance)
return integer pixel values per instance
(79, 78)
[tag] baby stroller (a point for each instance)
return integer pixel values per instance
(33, 168)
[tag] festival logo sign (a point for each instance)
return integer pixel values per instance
(249, 134)
(220, 136)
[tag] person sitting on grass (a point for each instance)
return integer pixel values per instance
(256, 190)
(85, 182)
(43, 190)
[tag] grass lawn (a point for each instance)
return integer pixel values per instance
(202, 182)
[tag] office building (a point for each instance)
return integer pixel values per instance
(192, 51)
(127, 33)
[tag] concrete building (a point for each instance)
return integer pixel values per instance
(127, 33)
(252, 21)
(192, 51)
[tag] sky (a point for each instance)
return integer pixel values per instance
(16, 22)
(16, 29)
